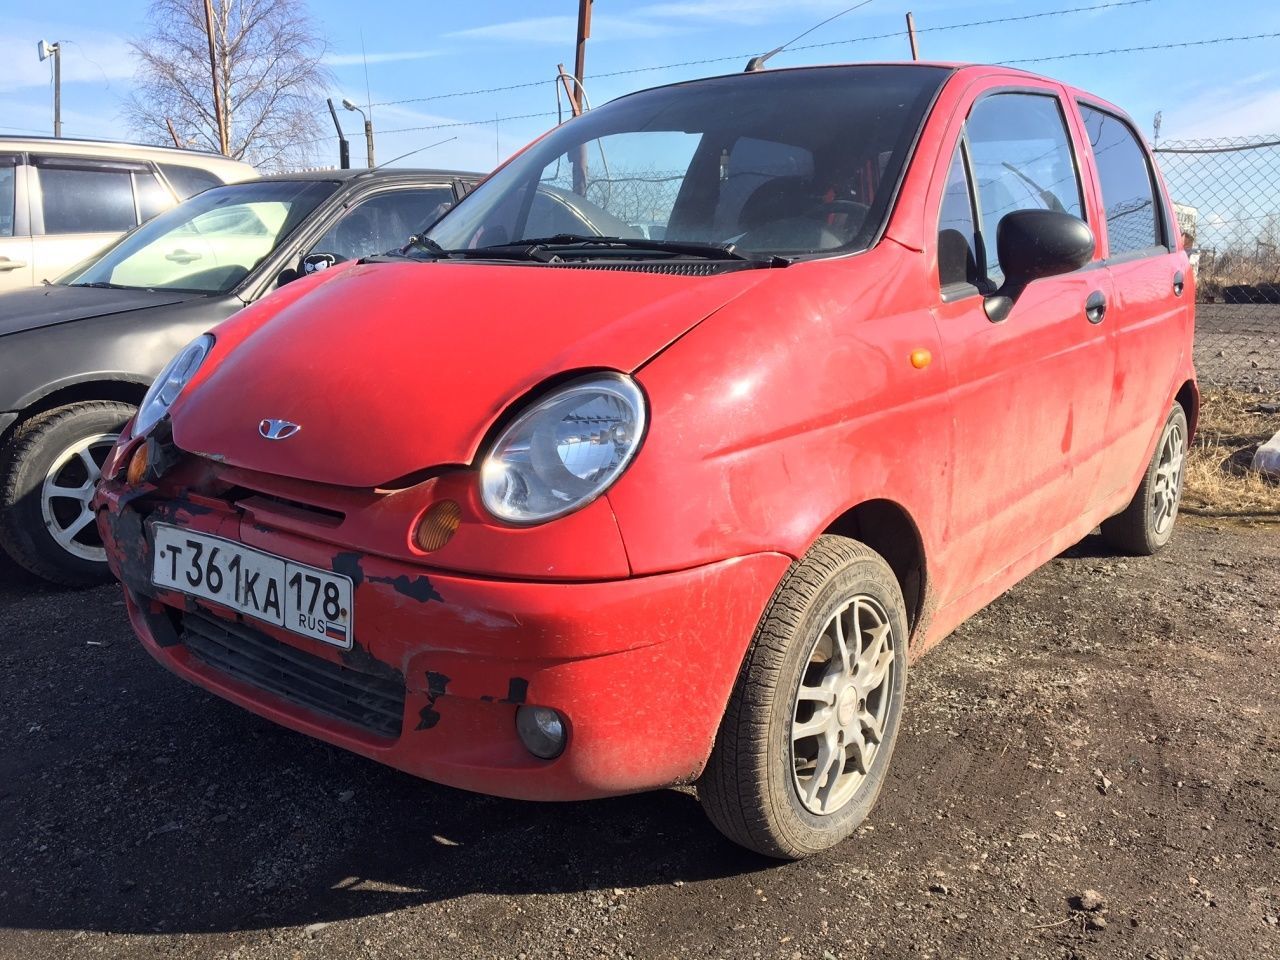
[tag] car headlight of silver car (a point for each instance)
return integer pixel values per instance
(564, 450)
(176, 375)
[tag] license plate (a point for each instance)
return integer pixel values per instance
(304, 599)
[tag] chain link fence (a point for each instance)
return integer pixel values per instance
(1226, 197)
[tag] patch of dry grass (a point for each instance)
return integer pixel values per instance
(1219, 480)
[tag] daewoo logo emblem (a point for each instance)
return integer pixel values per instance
(278, 429)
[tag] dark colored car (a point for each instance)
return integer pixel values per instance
(77, 355)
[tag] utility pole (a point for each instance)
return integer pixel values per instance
(580, 58)
(219, 114)
(911, 35)
(54, 50)
(173, 134)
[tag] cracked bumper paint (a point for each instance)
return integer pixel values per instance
(640, 668)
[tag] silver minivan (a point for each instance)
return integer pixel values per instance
(63, 200)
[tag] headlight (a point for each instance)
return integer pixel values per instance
(565, 450)
(176, 375)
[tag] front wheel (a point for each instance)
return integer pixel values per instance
(804, 746)
(48, 472)
(1146, 524)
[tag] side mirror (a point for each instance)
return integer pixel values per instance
(1033, 244)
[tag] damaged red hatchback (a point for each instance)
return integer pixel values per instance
(659, 457)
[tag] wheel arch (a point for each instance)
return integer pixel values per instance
(1188, 396)
(889, 529)
(121, 389)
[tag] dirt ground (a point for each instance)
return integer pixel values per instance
(1238, 346)
(1111, 725)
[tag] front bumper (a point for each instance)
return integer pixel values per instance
(640, 668)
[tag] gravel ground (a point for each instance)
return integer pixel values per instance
(1090, 768)
(1238, 346)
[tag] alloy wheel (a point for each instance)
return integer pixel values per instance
(67, 492)
(842, 705)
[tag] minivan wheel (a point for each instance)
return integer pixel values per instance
(805, 743)
(48, 472)
(1146, 524)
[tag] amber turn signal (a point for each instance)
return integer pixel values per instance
(137, 466)
(437, 526)
(921, 358)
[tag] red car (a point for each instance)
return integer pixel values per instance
(659, 458)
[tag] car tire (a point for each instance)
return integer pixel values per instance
(52, 534)
(1146, 524)
(795, 703)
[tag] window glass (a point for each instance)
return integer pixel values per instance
(755, 176)
(86, 199)
(384, 222)
(152, 197)
(188, 181)
(210, 243)
(1127, 193)
(8, 174)
(786, 162)
(1022, 160)
(957, 232)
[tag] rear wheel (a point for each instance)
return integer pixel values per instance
(804, 746)
(1146, 524)
(48, 472)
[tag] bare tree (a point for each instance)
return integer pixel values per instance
(270, 77)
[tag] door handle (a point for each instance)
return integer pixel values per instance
(7, 264)
(1178, 283)
(1095, 308)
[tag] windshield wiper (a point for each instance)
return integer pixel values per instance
(103, 285)
(427, 245)
(680, 248)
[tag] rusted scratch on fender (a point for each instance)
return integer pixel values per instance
(436, 686)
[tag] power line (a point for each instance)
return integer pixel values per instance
(1142, 49)
(742, 57)
(445, 126)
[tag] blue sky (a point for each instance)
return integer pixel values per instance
(426, 49)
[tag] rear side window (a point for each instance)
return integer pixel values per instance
(8, 175)
(85, 199)
(188, 181)
(1022, 160)
(152, 197)
(1125, 177)
(957, 228)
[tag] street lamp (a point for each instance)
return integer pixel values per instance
(47, 50)
(368, 129)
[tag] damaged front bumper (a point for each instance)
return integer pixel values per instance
(640, 668)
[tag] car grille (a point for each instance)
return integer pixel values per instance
(373, 703)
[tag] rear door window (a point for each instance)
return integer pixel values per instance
(8, 194)
(153, 198)
(85, 198)
(1022, 160)
(188, 181)
(1128, 192)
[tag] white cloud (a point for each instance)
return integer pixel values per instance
(561, 30)
(98, 60)
(743, 12)
(1247, 107)
(357, 59)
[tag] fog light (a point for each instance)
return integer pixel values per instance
(137, 465)
(541, 731)
(437, 526)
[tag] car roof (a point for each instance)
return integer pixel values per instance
(361, 173)
(121, 149)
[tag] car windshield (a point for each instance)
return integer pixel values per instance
(207, 244)
(779, 163)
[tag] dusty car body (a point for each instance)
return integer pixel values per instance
(831, 442)
(78, 354)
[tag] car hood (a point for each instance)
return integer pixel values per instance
(45, 306)
(392, 368)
